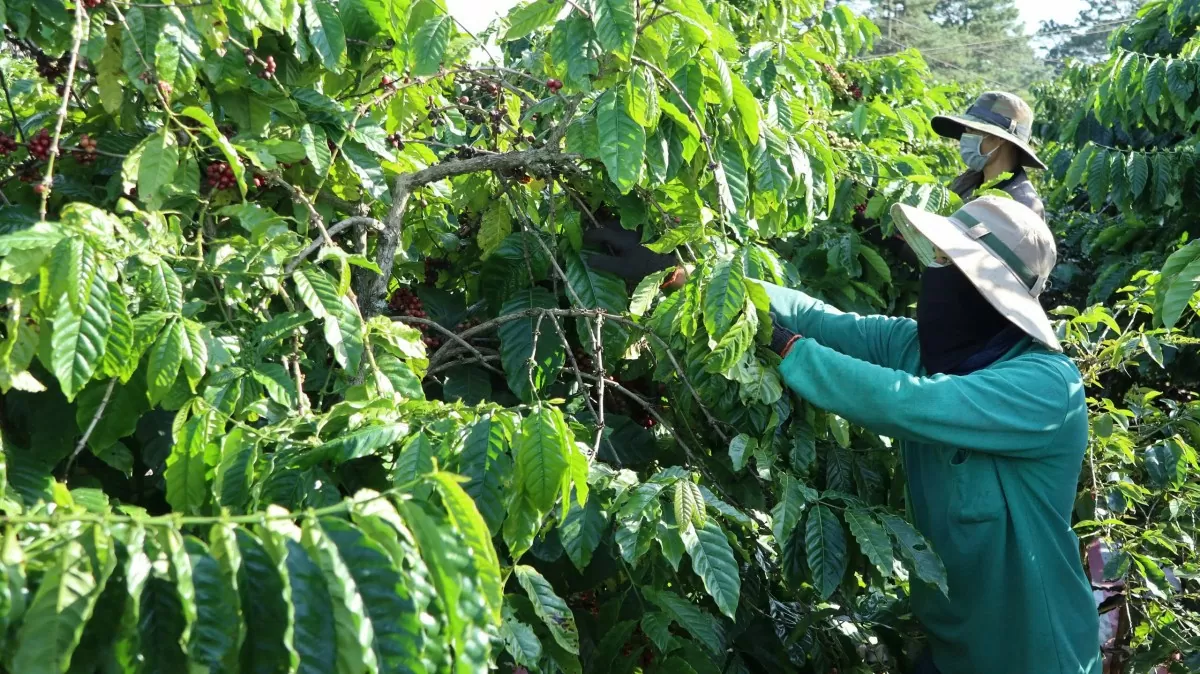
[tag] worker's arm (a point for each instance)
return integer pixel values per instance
(882, 340)
(1014, 408)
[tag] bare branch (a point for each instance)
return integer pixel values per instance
(325, 238)
(448, 333)
(87, 434)
(77, 39)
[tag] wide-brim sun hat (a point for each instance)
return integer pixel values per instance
(1005, 249)
(996, 113)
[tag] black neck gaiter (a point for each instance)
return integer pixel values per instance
(958, 329)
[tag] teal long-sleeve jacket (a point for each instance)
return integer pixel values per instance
(992, 460)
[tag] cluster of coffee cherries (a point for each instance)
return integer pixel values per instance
(583, 359)
(586, 601)
(220, 176)
(268, 70)
(842, 88)
(554, 85)
(396, 140)
(86, 154)
(861, 208)
(92, 4)
(467, 226)
(50, 69)
(405, 302)
(7, 144)
(432, 267)
(39, 145)
(639, 639)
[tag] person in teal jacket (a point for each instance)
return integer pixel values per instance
(991, 422)
(992, 428)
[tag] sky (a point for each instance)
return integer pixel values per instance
(477, 14)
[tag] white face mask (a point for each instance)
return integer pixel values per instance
(969, 148)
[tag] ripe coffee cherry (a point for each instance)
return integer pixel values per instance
(165, 87)
(396, 141)
(220, 176)
(463, 100)
(86, 154)
(268, 70)
(259, 181)
(554, 85)
(39, 145)
(92, 4)
(7, 144)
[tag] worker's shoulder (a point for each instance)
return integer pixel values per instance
(1056, 367)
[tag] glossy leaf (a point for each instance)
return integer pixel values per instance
(713, 562)
(826, 548)
(622, 139)
(429, 44)
(79, 340)
(916, 552)
(616, 25)
(549, 607)
(872, 538)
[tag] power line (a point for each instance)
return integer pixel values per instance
(951, 65)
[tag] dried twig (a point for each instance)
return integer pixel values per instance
(77, 39)
(87, 433)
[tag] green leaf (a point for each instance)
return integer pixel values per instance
(724, 297)
(572, 44)
(495, 226)
(278, 384)
(316, 149)
(262, 593)
(540, 456)
(826, 547)
(581, 532)
(641, 95)
(415, 459)
(595, 290)
(741, 448)
(1179, 280)
(187, 486)
(712, 560)
(520, 640)
(267, 12)
(733, 169)
(730, 349)
(549, 607)
(72, 269)
(530, 350)
(165, 287)
(1154, 83)
(160, 160)
(119, 359)
(616, 25)
(309, 605)
(689, 504)
(166, 356)
(872, 538)
(353, 629)
(913, 548)
(643, 296)
(530, 16)
(429, 45)
(1179, 81)
(485, 462)
(1138, 171)
(469, 523)
(231, 485)
(53, 624)
(214, 638)
(1078, 167)
(622, 139)
(325, 33)
(343, 325)
(1098, 177)
(366, 167)
(770, 169)
(365, 441)
(78, 341)
(699, 623)
(748, 109)
(1164, 178)
(786, 514)
(209, 128)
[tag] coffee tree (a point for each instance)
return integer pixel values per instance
(306, 368)
(1122, 138)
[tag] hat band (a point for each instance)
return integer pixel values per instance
(1000, 250)
(993, 117)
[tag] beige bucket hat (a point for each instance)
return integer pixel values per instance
(1002, 246)
(997, 113)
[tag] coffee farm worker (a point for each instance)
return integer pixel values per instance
(991, 424)
(993, 139)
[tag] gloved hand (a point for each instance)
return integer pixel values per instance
(629, 259)
(782, 339)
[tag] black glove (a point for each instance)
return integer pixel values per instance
(629, 259)
(782, 339)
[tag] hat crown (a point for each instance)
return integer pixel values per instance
(1003, 105)
(1018, 228)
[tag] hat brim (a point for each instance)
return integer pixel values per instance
(987, 272)
(953, 127)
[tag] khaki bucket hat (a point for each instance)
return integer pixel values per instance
(997, 113)
(1002, 246)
